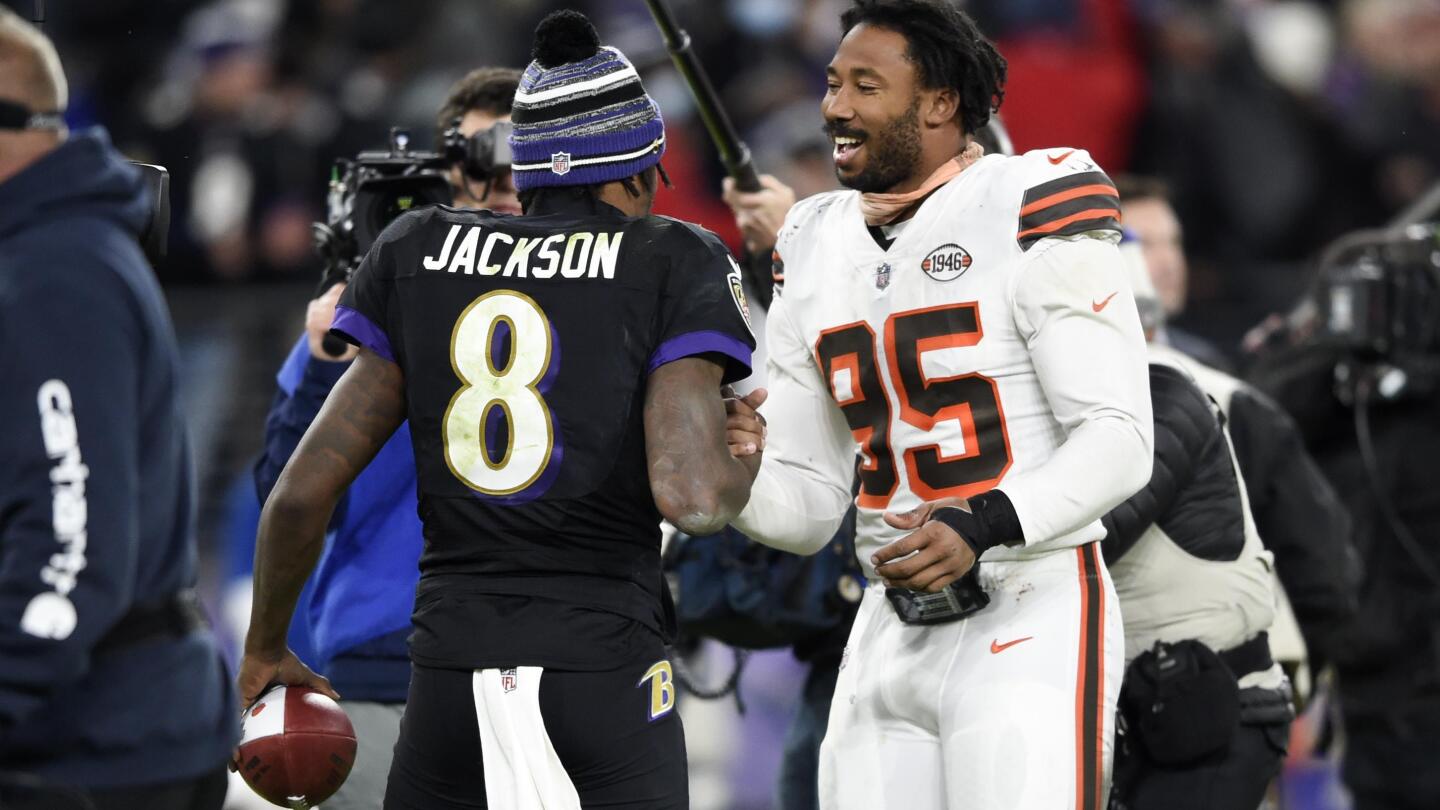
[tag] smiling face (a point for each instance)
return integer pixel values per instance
(889, 132)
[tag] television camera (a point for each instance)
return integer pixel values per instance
(368, 192)
(1377, 302)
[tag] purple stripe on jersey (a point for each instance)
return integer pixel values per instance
(353, 327)
(693, 343)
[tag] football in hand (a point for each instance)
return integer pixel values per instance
(296, 746)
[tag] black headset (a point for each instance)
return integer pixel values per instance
(17, 116)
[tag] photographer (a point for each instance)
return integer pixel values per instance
(1205, 710)
(1360, 375)
(1298, 514)
(112, 690)
(359, 614)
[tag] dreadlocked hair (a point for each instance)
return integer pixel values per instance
(947, 49)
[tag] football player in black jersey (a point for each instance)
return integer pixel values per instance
(561, 372)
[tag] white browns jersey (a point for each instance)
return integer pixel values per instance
(994, 345)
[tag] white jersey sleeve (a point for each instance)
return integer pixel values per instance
(803, 488)
(1093, 371)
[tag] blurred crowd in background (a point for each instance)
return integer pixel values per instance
(1278, 125)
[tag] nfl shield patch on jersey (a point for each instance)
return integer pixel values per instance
(882, 276)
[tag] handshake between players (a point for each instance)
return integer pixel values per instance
(932, 556)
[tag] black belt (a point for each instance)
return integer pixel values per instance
(1251, 656)
(176, 617)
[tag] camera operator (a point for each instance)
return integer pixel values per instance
(1361, 378)
(480, 101)
(1298, 514)
(359, 613)
(112, 690)
(1205, 709)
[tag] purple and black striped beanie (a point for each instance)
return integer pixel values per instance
(581, 115)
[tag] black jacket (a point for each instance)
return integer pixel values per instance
(1193, 494)
(1388, 653)
(1299, 516)
(95, 490)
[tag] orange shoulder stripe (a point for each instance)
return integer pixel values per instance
(1069, 194)
(1051, 227)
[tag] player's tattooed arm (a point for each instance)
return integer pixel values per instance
(358, 417)
(697, 484)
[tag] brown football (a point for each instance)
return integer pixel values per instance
(296, 747)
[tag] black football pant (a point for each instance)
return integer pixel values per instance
(1234, 779)
(613, 739)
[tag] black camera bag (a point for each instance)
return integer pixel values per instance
(1181, 702)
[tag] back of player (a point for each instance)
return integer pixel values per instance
(561, 374)
(526, 344)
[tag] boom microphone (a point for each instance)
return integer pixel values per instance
(733, 151)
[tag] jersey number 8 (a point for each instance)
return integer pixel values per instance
(500, 349)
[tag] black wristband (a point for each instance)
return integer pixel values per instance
(998, 514)
(965, 524)
(992, 523)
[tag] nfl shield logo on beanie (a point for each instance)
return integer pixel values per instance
(581, 116)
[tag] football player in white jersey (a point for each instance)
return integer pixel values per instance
(965, 322)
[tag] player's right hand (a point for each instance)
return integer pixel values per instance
(759, 214)
(930, 557)
(318, 316)
(259, 670)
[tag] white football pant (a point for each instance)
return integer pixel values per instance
(1010, 709)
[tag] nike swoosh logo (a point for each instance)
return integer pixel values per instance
(1105, 303)
(1055, 161)
(997, 647)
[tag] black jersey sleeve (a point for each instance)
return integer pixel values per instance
(362, 317)
(703, 311)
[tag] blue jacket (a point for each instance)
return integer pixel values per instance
(96, 490)
(361, 595)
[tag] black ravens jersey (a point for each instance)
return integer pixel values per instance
(526, 343)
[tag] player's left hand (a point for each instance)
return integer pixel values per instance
(938, 556)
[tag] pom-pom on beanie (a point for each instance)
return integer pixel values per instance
(581, 115)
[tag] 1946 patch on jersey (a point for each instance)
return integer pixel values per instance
(947, 262)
